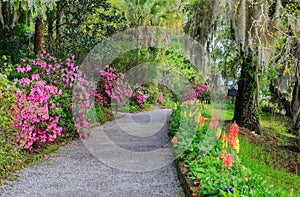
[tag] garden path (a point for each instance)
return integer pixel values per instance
(95, 168)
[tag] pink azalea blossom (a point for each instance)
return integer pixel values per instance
(25, 81)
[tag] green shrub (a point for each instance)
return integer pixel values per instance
(10, 156)
(7, 103)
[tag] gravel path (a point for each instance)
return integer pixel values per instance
(126, 157)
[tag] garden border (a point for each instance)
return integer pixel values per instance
(187, 186)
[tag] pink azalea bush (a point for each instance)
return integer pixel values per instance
(44, 99)
(139, 98)
(112, 86)
(195, 92)
(54, 98)
(32, 117)
(82, 103)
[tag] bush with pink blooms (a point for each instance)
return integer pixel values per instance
(197, 92)
(111, 86)
(43, 99)
(112, 89)
(48, 105)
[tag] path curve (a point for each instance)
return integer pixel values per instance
(74, 171)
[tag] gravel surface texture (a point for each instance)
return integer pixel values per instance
(78, 169)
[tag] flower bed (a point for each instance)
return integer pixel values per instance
(208, 158)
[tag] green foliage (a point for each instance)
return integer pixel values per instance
(104, 114)
(276, 124)
(7, 103)
(199, 146)
(175, 120)
(224, 112)
(140, 13)
(164, 61)
(176, 59)
(152, 92)
(10, 157)
(14, 35)
(83, 24)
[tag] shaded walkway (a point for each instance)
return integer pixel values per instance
(78, 169)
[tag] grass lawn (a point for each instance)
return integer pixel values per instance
(262, 161)
(224, 112)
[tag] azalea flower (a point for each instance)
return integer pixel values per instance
(25, 81)
(35, 77)
(161, 98)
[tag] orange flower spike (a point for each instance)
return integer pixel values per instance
(228, 161)
(234, 129)
(201, 120)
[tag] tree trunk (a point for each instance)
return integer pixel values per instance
(58, 23)
(282, 98)
(50, 24)
(245, 104)
(295, 107)
(39, 37)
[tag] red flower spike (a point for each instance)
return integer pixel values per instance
(228, 161)
(234, 129)
(201, 120)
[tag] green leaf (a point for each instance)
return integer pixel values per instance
(16, 5)
(24, 5)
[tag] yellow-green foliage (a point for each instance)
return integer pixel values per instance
(7, 103)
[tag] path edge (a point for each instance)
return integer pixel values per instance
(188, 188)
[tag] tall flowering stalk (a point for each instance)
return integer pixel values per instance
(227, 159)
(232, 138)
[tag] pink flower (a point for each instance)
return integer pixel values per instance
(25, 81)
(214, 122)
(174, 140)
(161, 98)
(45, 117)
(35, 77)
(21, 70)
(28, 68)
